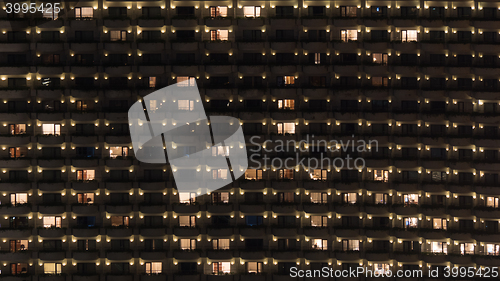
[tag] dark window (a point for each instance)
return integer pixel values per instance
(16, 59)
(379, 11)
(151, 12)
(185, 35)
(114, 12)
(50, 36)
(185, 11)
(464, 60)
(437, 59)
(409, 11)
(436, 12)
(348, 11)
(379, 35)
(284, 11)
(285, 35)
(464, 36)
(316, 11)
(84, 36)
(409, 82)
(252, 35)
(464, 12)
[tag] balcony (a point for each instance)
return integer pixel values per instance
(88, 140)
(50, 139)
(112, 23)
(22, 209)
(54, 186)
(85, 209)
(18, 256)
(85, 185)
(220, 254)
(251, 22)
(113, 277)
(85, 255)
(119, 254)
(85, 232)
(218, 22)
(153, 255)
(15, 233)
(48, 209)
(119, 232)
(119, 185)
(153, 231)
(151, 22)
(51, 163)
(51, 255)
(51, 232)
(186, 255)
(15, 163)
(188, 231)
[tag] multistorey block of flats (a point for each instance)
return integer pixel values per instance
(415, 82)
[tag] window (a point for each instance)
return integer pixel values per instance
(284, 81)
(219, 268)
(411, 222)
(348, 11)
(436, 12)
(319, 221)
(187, 197)
(467, 248)
(52, 268)
(251, 11)
(218, 11)
(85, 175)
(52, 222)
(86, 244)
(17, 129)
(151, 12)
(186, 81)
(380, 58)
(439, 223)
(187, 221)
(285, 174)
(254, 267)
(348, 35)
(220, 244)
(219, 174)
(286, 197)
(409, 35)
(381, 175)
(253, 174)
(436, 36)
(85, 198)
(350, 198)
(318, 174)
(220, 197)
(187, 244)
(317, 58)
(253, 220)
(381, 268)
(492, 202)
(51, 129)
(118, 151)
(381, 198)
(319, 244)
(492, 249)
(117, 221)
(219, 34)
(287, 104)
(220, 150)
(438, 176)
(286, 128)
(84, 12)
(350, 245)
(151, 35)
(185, 105)
(284, 11)
(409, 11)
(410, 199)
(18, 198)
(81, 36)
(18, 245)
(379, 35)
(117, 35)
(439, 247)
(379, 11)
(153, 267)
(117, 12)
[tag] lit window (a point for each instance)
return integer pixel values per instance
(411, 222)
(18, 245)
(492, 249)
(85, 175)
(317, 58)
(467, 248)
(378, 81)
(118, 151)
(286, 128)
(153, 105)
(439, 248)
(381, 175)
(350, 245)
(220, 197)
(220, 150)
(254, 267)
(219, 268)
(348, 11)
(17, 129)
(381, 198)
(187, 221)
(253, 174)
(319, 221)
(84, 12)
(492, 202)
(219, 34)
(350, 198)
(151, 82)
(408, 35)
(86, 198)
(220, 244)
(118, 35)
(380, 58)
(218, 11)
(186, 105)
(187, 197)
(439, 223)
(18, 198)
(286, 174)
(318, 174)
(50, 14)
(188, 80)
(381, 268)
(153, 267)
(52, 222)
(52, 268)
(347, 35)
(251, 11)
(319, 244)
(51, 129)
(188, 244)
(219, 174)
(286, 104)
(410, 199)
(17, 152)
(319, 197)
(117, 221)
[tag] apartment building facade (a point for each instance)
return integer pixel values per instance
(415, 80)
